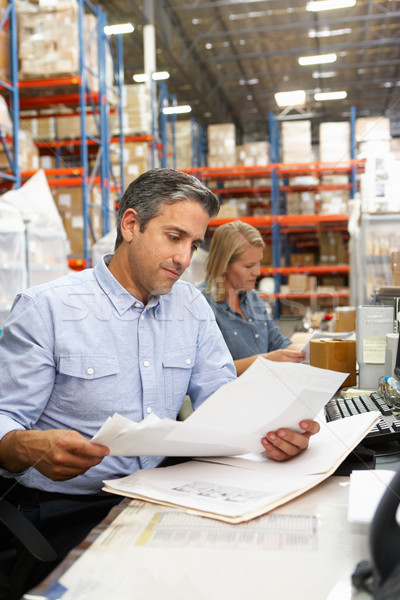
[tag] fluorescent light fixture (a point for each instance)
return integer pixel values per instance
(317, 59)
(121, 28)
(158, 76)
(323, 74)
(317, 5)
(323, 33)
(177, 110)
(322, 96)
(253, 81)
(295, 98)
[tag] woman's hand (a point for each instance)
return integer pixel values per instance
(286, 355)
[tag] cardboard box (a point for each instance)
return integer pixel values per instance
(336, 355)
(297, 282)
(345, 318)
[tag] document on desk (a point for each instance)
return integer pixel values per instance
(231, 421)
(237, 489)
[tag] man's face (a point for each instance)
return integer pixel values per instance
(159, 255)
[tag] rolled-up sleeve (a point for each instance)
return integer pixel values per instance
(27, 367)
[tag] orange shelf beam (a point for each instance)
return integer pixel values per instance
(310, 270)
(46, 101)
(285, 220)
(49, 82)
(307, 295)
(66, 143)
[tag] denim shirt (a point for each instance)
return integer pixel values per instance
(78, 349)
(256, 335)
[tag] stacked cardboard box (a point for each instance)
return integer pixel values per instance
(69, 204)
(48, 38)
(42, 128)
(185, 136)
(379, 184)
(253, 153)
(5, 120)
(4, 45)
(334, 142)
(69, 127)
(48, 42)
(221, 145)
(136, 110)
(136, 160)
(333, 248)
(296, 142)
(28, 155)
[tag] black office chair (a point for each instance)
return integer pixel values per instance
(381, 576)
(15, 565)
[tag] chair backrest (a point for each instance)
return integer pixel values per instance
(385, 531)
(18, 565)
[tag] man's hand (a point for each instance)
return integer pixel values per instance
(56, 453)
(285, 444)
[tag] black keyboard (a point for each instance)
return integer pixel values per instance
(388, 428)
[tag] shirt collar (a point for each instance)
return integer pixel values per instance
(121, 299)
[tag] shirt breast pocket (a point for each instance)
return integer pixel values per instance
(85, 384)
(177, 369)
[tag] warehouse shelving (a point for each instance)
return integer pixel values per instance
(73, 91)
(281, 226)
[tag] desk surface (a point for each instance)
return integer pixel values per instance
(306, 549)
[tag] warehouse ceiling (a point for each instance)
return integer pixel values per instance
(227, 58)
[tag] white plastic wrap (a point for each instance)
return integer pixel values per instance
(13, 276)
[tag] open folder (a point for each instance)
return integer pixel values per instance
(237, 489)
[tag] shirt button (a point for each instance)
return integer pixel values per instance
(256, 335)
(137, 304)
(250, 320)
(146, 363)
(235, 333)
(142, 317)
(148, 410)
(90, 371)
(188, 361)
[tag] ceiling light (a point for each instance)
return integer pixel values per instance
(328, 32)
(323, 74)
(317, 5)
(158, 76)
(177, 110)
(322, 96)
(295, 98)
(208, 46)
(253, 81)
(318, 59)
(121, 28)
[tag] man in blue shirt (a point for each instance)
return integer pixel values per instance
(125, 337)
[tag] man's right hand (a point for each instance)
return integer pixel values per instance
(56, 453)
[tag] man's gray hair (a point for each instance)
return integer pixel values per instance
(152, 190)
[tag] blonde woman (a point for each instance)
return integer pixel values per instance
(232, 269)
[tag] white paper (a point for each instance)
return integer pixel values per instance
(325, 335)
(232, 421)
(366, 491)
(235, 486)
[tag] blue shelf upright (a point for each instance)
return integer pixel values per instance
(275, 208)
(12, 88)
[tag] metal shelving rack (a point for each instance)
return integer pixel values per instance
(73, 91)
(279, 225)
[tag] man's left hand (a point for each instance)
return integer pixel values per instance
(284, 444)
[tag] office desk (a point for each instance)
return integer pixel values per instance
(305, 550)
